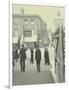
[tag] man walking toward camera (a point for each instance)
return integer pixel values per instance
(22, 58)
(46, 56)
(38, 58)
(32, 56)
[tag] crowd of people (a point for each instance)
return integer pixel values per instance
(21, 54)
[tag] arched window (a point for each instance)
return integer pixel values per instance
(32, 21)
(26, 21)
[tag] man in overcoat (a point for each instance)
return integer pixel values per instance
(22, 58)
(38, 58)
(32, 57)
(46, 56)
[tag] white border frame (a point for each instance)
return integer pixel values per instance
(25, 2)
(10, 47)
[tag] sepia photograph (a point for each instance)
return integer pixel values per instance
(38, 44)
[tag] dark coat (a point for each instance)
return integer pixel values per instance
(32, 52)
(46, 54)
(22, 54)
(38, 54)
(15, 53)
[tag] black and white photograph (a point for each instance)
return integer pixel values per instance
(38, 44)
(34, 44)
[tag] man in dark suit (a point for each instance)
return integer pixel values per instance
(38, 57)
(16, 54)
(32, 57)
(22, 58)
(46, 56)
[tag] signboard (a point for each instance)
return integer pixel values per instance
(27, 33)
(30, 36)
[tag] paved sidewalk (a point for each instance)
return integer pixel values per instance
(27, 78)
(32, 67)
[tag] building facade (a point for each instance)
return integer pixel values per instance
(28, 29)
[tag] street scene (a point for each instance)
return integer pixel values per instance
(31, 75)
(38, 45)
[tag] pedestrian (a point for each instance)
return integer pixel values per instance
(13, 58)
(16, 52)
(38, 58)
(32, 57)
(46, 56)
(22, 58)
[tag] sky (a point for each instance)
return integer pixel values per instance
(47, 13)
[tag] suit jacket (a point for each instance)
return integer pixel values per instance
(22, 54)
(32, 52)
(38, 54)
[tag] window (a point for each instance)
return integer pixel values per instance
(15, 22)
(32, 21)
(15, 32)
(26, 21)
